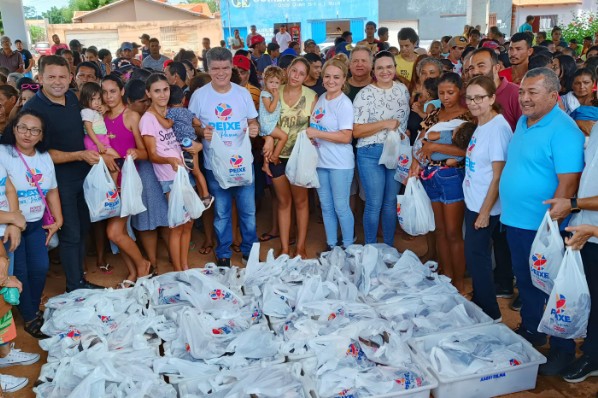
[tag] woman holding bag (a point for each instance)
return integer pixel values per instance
(484, 162)
(331, 128)
(24, 155)
(381, 108)
(124, 136)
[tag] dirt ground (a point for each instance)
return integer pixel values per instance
(547, 387)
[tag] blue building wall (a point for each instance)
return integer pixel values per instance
(312, 16)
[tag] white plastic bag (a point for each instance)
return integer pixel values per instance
(101, 194)
(414, 209)
(177, 212)
(390, 151)
(568, 309)
(546, 255)
(232, 167)
(301, 167)
(131, 190)
(404, 161)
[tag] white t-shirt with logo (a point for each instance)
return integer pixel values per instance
(226, 112)
(488, 144)
(3, 199)
(283, 40)
(41, 169)
(333, 115)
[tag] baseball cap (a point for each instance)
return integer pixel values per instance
(144, 36)
(491, 44)
(257, 39)
(241, 62)
(457, 41)
(309, 42)
(126, 46)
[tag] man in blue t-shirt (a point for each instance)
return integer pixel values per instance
(527, 26)
(544, 161)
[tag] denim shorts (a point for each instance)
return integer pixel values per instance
(444, 184)
(278, 170)
(167, 185)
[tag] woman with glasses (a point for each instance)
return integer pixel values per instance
(24, 155)
(122, 125)
(380, 109)
(443, 182)
(485, 159)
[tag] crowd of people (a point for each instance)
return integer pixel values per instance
(501, 132)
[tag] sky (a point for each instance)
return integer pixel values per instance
(44, 5)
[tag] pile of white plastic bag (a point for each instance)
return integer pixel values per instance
(285, 327)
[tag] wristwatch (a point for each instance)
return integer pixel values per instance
(574, 207)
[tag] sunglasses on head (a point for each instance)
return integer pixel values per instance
(32, 87)
(383, 53)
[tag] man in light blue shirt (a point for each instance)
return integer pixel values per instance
(544, 161)
(527, 26)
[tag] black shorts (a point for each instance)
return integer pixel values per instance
(278, 170)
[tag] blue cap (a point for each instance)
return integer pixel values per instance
(126, 46)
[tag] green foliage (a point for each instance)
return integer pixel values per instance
(581, 26)
(30, 13)
(87, 5)
(213, 4)
(59, 15)
(37, 33)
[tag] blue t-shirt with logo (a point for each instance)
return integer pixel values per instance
(535, 157)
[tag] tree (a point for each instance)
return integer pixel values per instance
(37, 33)
(87, 5)
(213, 4)
(59, 15)
(30, 12)
(582, 25)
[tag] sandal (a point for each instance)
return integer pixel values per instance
(265, 237)
(34, 328)
(153, 271)
(125, 284)
(206, 249)
(105, 269)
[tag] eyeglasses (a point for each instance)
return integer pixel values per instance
(31, 86)
(475, 99)
(34, 131)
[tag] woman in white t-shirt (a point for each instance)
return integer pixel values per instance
(29, 166)
(331, 130)
(381, 108)
(485, 159)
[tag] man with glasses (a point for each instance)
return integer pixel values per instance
(456, 46)
(9, 59)
(520, 51)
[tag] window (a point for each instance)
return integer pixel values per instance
(172, 38)
(168, 35)
(547, 22)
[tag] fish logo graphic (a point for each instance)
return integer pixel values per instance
(561, 303)
(236, 161)
(514, 362)
(223, 111)
(538, 261)
(471, 145)
(319, 114)
(33, 176)
(403, 160)
(112, 196)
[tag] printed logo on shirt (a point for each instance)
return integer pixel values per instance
(223, 111)
(33, 176)
(319, 115)
(469, 164)
(3, 182)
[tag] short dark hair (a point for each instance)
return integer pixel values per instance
(52, 60)
(346, 34)
(408, 34)
(541, 60)
(18, 41)
(382, 30)
(103, 53)
(154, 40)
(529, 18)
(371, 23)
(446, 39)
(556, 29)
(91, 65)
(92, 50)
(9, 91)
(523, 36)
(463, 134)
(8, 137)
(273, 47)
(311, 58)
(179, 69)
(431, 86)
(451, 77)
(134, 90)
(475, 32)
(543, 34)
(490, 52)
(177, 95)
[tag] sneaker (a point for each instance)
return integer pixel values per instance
(557, 362)
(18, 357)
(11, 383)
(536, 339)
(582, 368)
(223, 262)
(516, 304)
(502, 292)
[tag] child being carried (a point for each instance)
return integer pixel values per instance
(269, 114)
(457, 132)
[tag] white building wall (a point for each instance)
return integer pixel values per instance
(565, 13)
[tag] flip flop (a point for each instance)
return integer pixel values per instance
(206, 249)
(265, 237)
(153, 271)
(125, 284)
(105, 269)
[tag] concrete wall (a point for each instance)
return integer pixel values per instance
(130, 31)
(504, 12)
(565, 12)
(138, 10)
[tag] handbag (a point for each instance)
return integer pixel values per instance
(47, 218)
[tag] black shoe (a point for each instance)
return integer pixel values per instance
(557, 362)
(34, 328)
(516, 303)
(503, 292)
(85, 284)
(223, 262)
(536, 339)
(582, 368)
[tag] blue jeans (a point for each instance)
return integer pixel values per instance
(478, 256)
(381, 191)
(334, 193)
(31, 268)
(223, 210)
(589, 256)
(532, 298)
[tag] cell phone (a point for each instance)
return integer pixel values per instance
(119, 162)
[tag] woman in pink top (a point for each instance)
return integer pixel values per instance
(165, 153)
(123, 132)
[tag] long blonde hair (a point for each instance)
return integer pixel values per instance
(340, 63)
